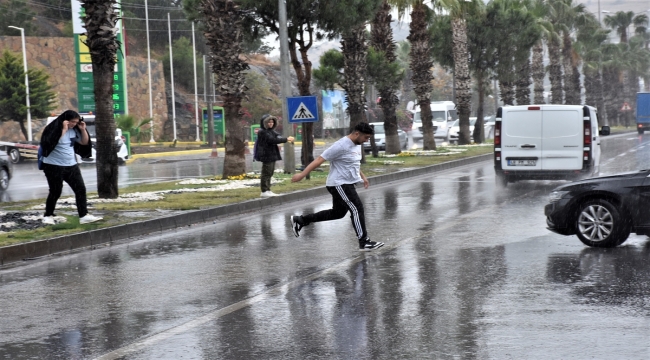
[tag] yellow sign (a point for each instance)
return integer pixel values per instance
(85, 58)
(82, 47)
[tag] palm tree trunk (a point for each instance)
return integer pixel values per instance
(235, 161)
(506, 88)
(522, 92)
(382, 40)
(567, 64)
(100, 22)
(297, 44)
(354, 49)
(610, 76)
(538, 72)
(600, 96)
(555, 71)
(421, 63)
(224, 36)
(463, 80)
(479, 134)
(591, 86)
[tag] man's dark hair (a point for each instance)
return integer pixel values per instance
(364, 128)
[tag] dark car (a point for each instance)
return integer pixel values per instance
(602, 211)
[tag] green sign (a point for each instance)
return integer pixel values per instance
(219, 121)
(85, 85)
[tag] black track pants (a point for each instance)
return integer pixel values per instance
(344, 199)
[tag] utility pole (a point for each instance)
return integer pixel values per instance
(196, 89)
(287, 127)
(146, 15)
(171, 69)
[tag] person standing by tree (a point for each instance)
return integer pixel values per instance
(345, 171)
(64, 137)
(267, 152)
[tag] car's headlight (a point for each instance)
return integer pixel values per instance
(556, 196)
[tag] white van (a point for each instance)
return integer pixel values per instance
(89, 119)
(444, 114)
(536, 142)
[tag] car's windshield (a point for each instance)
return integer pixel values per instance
(439, 116)
(379, 129)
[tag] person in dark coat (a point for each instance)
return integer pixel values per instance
(268, 152)
(64, 137)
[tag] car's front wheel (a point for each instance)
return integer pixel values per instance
(600, 224)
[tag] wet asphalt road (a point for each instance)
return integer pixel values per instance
(469, 271)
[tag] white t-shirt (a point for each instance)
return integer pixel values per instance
(345, 162)
(63, 153)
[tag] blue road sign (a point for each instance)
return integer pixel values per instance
(302, 109)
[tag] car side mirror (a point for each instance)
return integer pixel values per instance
(604, 130)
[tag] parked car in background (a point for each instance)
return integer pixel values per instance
(380, 138)
(455, 129)
(6, 170)
(444, 112)
(601, 211)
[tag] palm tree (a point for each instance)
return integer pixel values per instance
(590, 38)
(539, 10)
(528, 33)
(354, 49)
(420, 64)
(223, 34)
(612, 60)
(402, 52)
(100, 23)
(457, 10)
(622, 20)
(564, 15)
(382, 41)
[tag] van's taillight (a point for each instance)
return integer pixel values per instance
(587, 133)
(586, 155)
(497, 143)
(534, 108)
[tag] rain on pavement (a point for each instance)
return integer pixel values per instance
(468, 271)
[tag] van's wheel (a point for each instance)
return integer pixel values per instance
(641, 131)
(600, 224)
(14, 155)
(501, 180)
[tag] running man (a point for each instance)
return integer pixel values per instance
(345, 171)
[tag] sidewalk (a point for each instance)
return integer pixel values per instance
(42, 249)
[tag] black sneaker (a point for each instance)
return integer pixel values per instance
(296, 225)
(368, 245)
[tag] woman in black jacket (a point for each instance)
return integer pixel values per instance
(64, 137)
(267, 151)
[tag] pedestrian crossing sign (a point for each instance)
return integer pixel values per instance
(302, 109)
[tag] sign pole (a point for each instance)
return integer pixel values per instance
(287, 127)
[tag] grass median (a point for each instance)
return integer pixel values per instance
(147, 201)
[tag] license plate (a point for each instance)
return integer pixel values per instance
(522, 162)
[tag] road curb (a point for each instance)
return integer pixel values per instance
(91, 239)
